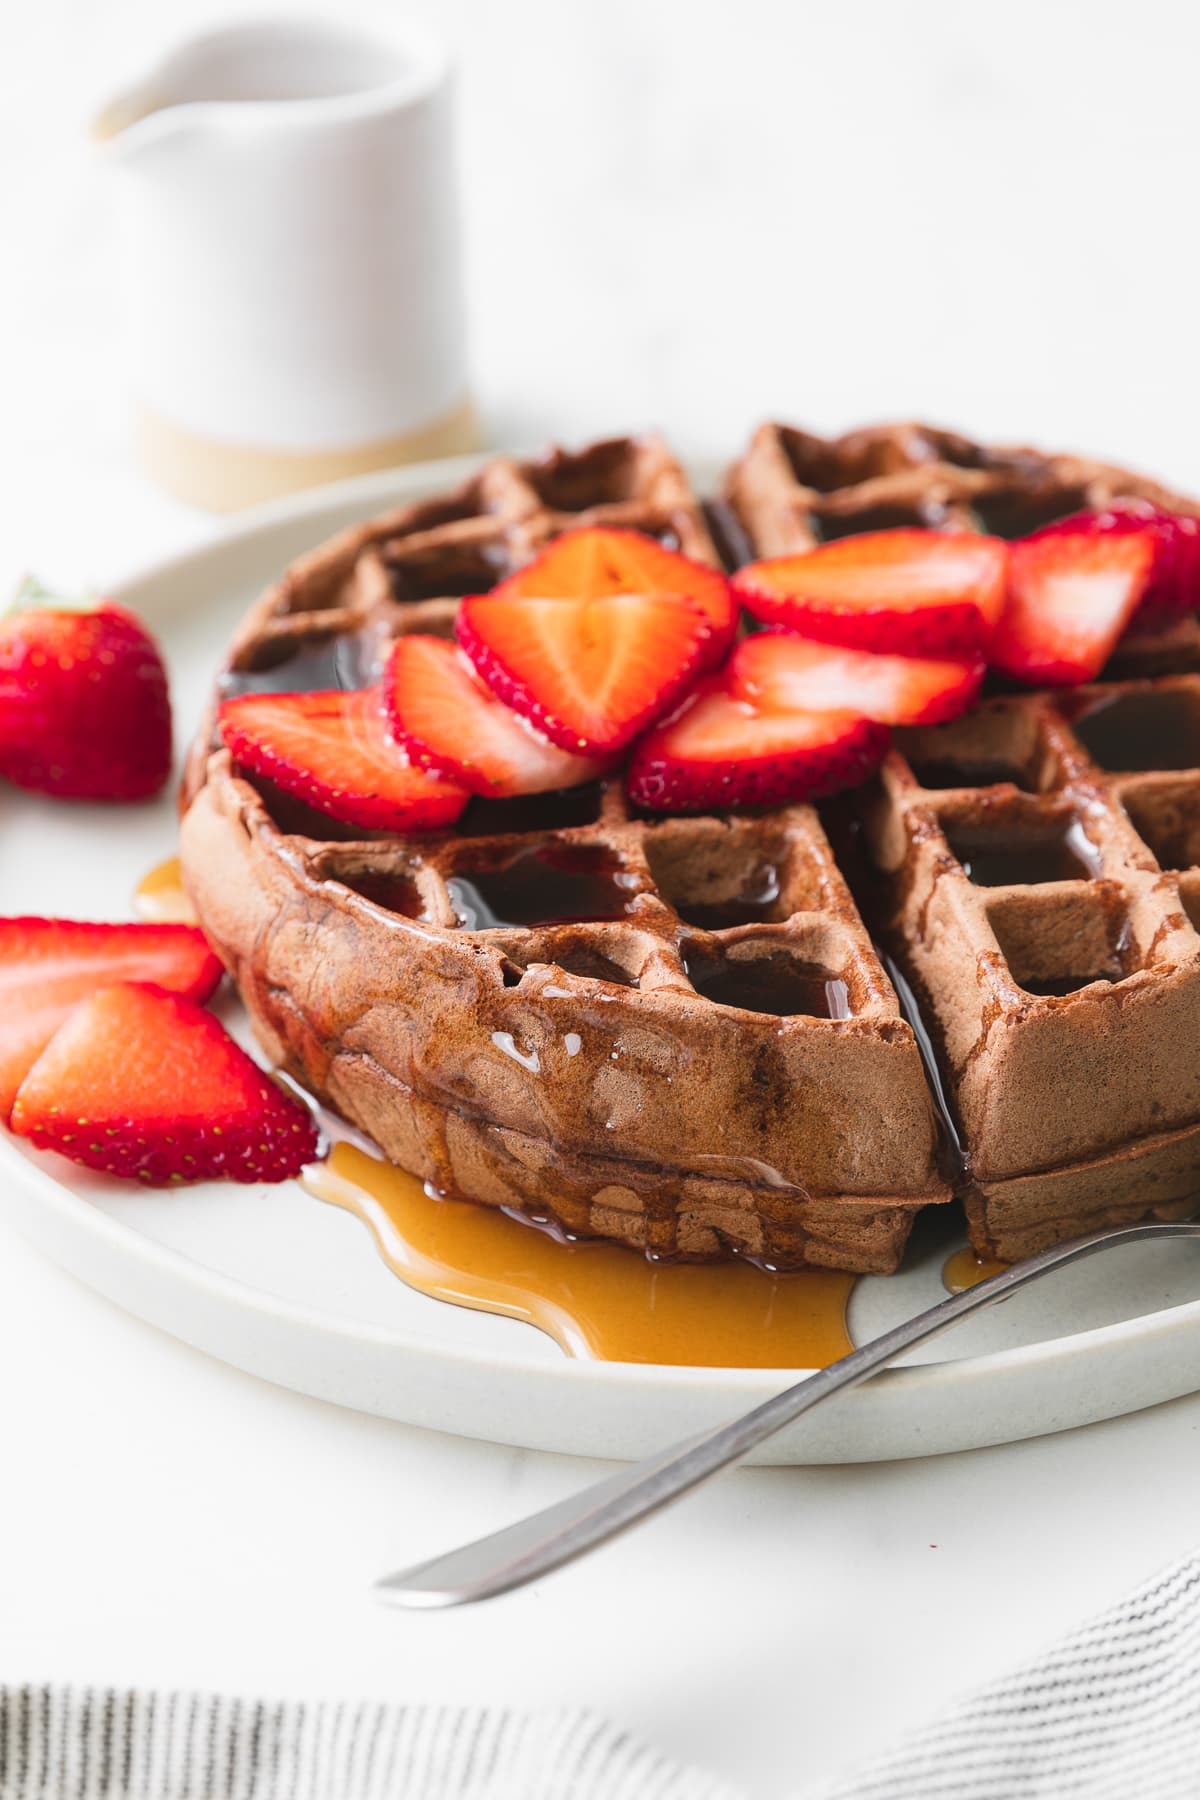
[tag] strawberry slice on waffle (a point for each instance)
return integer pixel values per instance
(907, 592)
(448, 721)
(1072, 593)
(334, 751)
(731, 743)
(600, 560)
(589, 674)
(1173, 587)
(778, 669)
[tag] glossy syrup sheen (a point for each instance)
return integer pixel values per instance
(757, 902)
(160, 897)
(783, 986)
(316, 664)
(547, 884)
(600, 1301)
(966, 1270)
(559, 810)
(994, 856)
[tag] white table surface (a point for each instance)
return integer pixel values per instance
(833, 214)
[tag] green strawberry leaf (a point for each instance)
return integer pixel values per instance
(33, 594)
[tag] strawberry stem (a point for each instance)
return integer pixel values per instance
(32, 594)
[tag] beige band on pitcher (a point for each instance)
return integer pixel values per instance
(224, 477)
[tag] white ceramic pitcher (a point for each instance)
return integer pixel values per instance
(292, 257)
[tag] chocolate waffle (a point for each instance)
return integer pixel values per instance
(675, 1033)
(791, 490)
(1036, 859)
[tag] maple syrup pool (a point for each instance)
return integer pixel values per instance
(596, 1300)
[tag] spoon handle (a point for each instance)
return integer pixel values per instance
(520, 1553)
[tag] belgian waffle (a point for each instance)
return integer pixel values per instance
(791, 490)
(539, 1009)
(1036, 884)
(1037, 859)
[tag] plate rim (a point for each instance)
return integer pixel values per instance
(81, 1216)
(79, 1211)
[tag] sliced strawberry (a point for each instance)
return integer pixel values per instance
(719, 749)
(48, 965)
(1071, 595)
(778, 670)
(590, 674)
(448, 720)
(1174, 585)
(600, 560)
(147, 1085)
(916, 593)
(84, 709)
(334, 751)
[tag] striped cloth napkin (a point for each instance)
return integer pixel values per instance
(1112, 1712)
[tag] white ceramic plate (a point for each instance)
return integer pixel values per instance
(278, 1284)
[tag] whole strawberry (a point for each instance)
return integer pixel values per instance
(84, 708)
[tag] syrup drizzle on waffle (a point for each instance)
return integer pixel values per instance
(160, 897)
(595, 1300)
(618, 965)
(1025, 885)
(1036, 861)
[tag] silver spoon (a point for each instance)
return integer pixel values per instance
(535, 1546)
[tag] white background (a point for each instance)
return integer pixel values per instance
(694, 215)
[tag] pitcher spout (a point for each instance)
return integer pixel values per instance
(144, 121)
